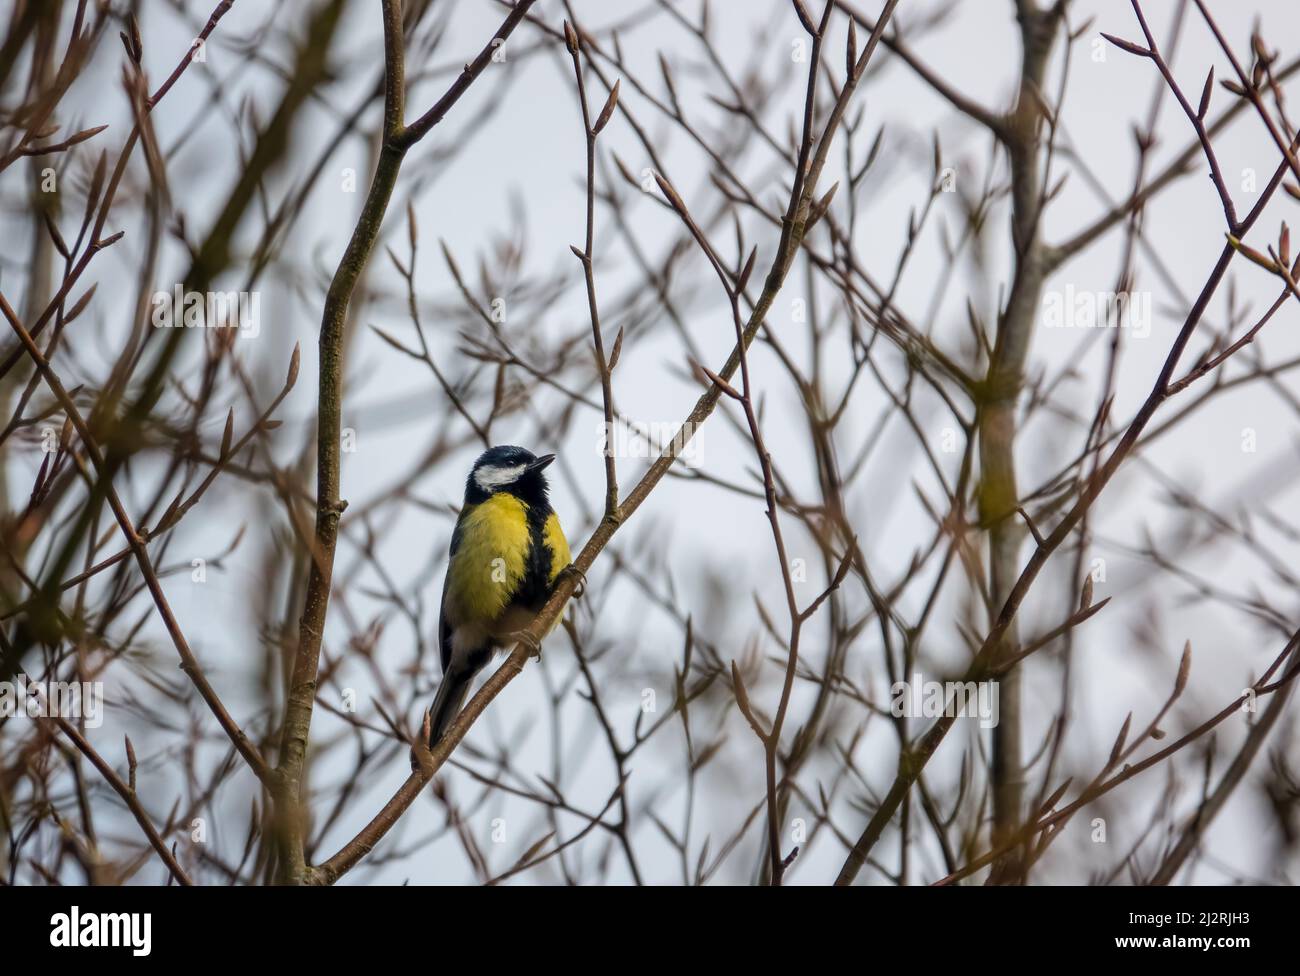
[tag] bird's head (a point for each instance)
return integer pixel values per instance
(508, 469)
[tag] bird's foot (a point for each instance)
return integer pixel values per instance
(421, 749)
(534, 645)
(581, 586)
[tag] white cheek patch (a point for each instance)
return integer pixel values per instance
(494, 476)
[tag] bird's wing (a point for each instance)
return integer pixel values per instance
(444, 628)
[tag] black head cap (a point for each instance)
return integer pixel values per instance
(506, 468)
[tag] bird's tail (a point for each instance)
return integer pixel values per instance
(446, 706)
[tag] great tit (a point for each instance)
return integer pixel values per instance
(506, 551)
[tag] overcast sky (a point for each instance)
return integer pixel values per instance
(526, 155)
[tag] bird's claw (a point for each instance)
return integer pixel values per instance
(534, 645)
(421, 749)
(581, 586)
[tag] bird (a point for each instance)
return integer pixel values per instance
(506, 552)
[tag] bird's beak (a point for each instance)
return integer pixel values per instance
(540, 463)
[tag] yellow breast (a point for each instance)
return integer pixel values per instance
(490, 562)
(558, 545)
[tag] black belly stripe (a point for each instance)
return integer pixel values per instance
(535, 587)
